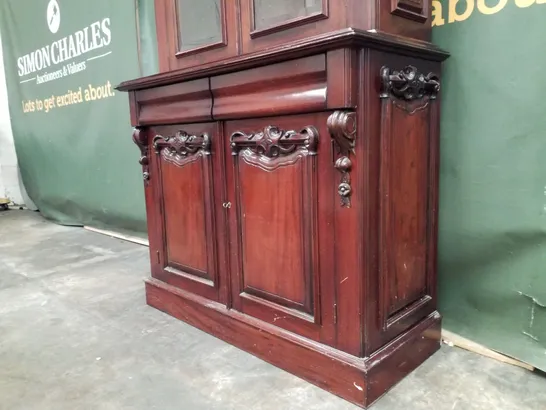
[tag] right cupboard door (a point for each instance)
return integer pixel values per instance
(279, 175)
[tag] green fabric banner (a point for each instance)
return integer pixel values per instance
(492, 251)
(71, 128)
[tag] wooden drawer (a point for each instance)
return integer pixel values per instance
(189, 101)
(290, 87)
(310, 84)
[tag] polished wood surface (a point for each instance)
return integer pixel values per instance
(405, 177)
(190, 101)
(409, 18)
(351, 38)
(403, 185)
(273, 185)
(186, 164)
(283, 88)
(359, 380)
(243, 33)
(291, 180)
(185, 251)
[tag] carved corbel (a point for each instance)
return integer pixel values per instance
(342, 128)
(410, 89)
(140, 138)
(182, 148)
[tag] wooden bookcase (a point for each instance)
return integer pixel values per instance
(290, 161)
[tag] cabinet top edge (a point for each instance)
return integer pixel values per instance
(345, 38)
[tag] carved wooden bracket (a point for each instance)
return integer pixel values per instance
(274, 147)
(182, 148)
(140, 138)
(409, 84)
(342, 128)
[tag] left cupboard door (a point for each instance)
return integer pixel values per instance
(186, 212)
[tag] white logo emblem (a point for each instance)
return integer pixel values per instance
(53, 16)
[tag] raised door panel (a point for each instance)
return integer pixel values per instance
(280, 222)
(194, 32)
(407, 195)
(186, 159)
(404, 223)
(186, 232)
(267, 23)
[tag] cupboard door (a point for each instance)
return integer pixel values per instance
(194, 32)
(267, 23)
(280, 220)
(185, 159)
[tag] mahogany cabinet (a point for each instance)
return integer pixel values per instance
(289, 152)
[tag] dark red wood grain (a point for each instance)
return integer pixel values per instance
(359, 380)
(402, 247)
(405, 18)
(305, 232)
(343, 38)
(276, 271)
(184, 214)
(184, 102)
(283, 88)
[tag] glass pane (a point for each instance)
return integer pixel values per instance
(269, 13)
(199, 23)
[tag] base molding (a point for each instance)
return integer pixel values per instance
(359, 380)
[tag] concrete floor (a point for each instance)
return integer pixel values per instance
(75, 333)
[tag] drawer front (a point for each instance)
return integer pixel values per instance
(186, 174)
(189, 101)
(279, 180)
(290, 87)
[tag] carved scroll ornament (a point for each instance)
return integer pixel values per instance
(409, 84)
(140, 138)
(182, 148)
(342, 128)
(273, 147)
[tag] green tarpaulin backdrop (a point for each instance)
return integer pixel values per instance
(76, 155)
(492, 251)
(80, 167)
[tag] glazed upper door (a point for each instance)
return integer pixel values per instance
(195, 32)
(186, 215)
(279, 179)
(267, 23)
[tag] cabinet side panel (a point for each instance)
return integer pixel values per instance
(400, 263)
(403, 189)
